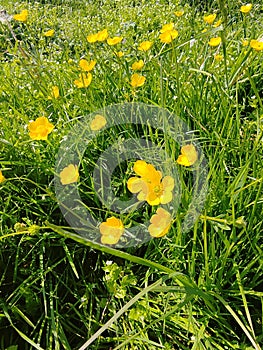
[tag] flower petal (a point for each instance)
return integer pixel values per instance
(168, 183)
(140, 168)
(166, 197)
(135, 184)
(2, 178)
(110, 239)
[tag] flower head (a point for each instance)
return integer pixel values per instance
(246, 8)
(149, 176)
(111, 230)
(102, 35)
(40, 128)
(218, 23)
(256, 44)
(179, 13)
(98, 122)
(69, 174)
(245, 43)
(83, 81)
(114, 41)
(22, 16)
(218, 57)
(137, 65)
(92, 38)
(50, 32)
(210, 18)
(215, 41)
(150, 186)
(167, 27)
(2, 178)
(119, 54)
(168, 36)
(145, 45)
(137, 80)
(160, 192)
(188, 155)
(55, 93)
(160, 223)
(87, 66)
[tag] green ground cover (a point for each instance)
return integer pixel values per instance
(200, 289)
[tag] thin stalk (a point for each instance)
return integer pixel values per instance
(223, 10)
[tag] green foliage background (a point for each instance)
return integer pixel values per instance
(200, 290)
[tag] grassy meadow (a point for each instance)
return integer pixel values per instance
(201, 288)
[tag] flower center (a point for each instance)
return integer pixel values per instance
(158, 190)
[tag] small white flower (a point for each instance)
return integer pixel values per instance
(4, 17)
(192, 41)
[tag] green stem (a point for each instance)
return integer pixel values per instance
(223, 10)
(209, 218)
(13, 234)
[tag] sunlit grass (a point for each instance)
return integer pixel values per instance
(200, 289)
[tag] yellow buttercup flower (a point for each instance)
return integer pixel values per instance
(160, 192)
(69, 174)
(83, 81)
(246, 8)
(218, 57)
(167, 27)
(137, 80)
(119, 54)
(179, 13)
(188, 156)
(168, 36)
(150, 186)
(114, 41)
(2, 178)
(98, 122)
(111, 230)
(102, 35)
(55, 92)
(87, 66)
(160, 223)
(92, 38)
(256, 44)
(145, 45)
(50, 32)
(210, 18)
(245, 42)
(22, 16)
(215, 41)
(40, 128)
(137, 65)
(218, 23)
